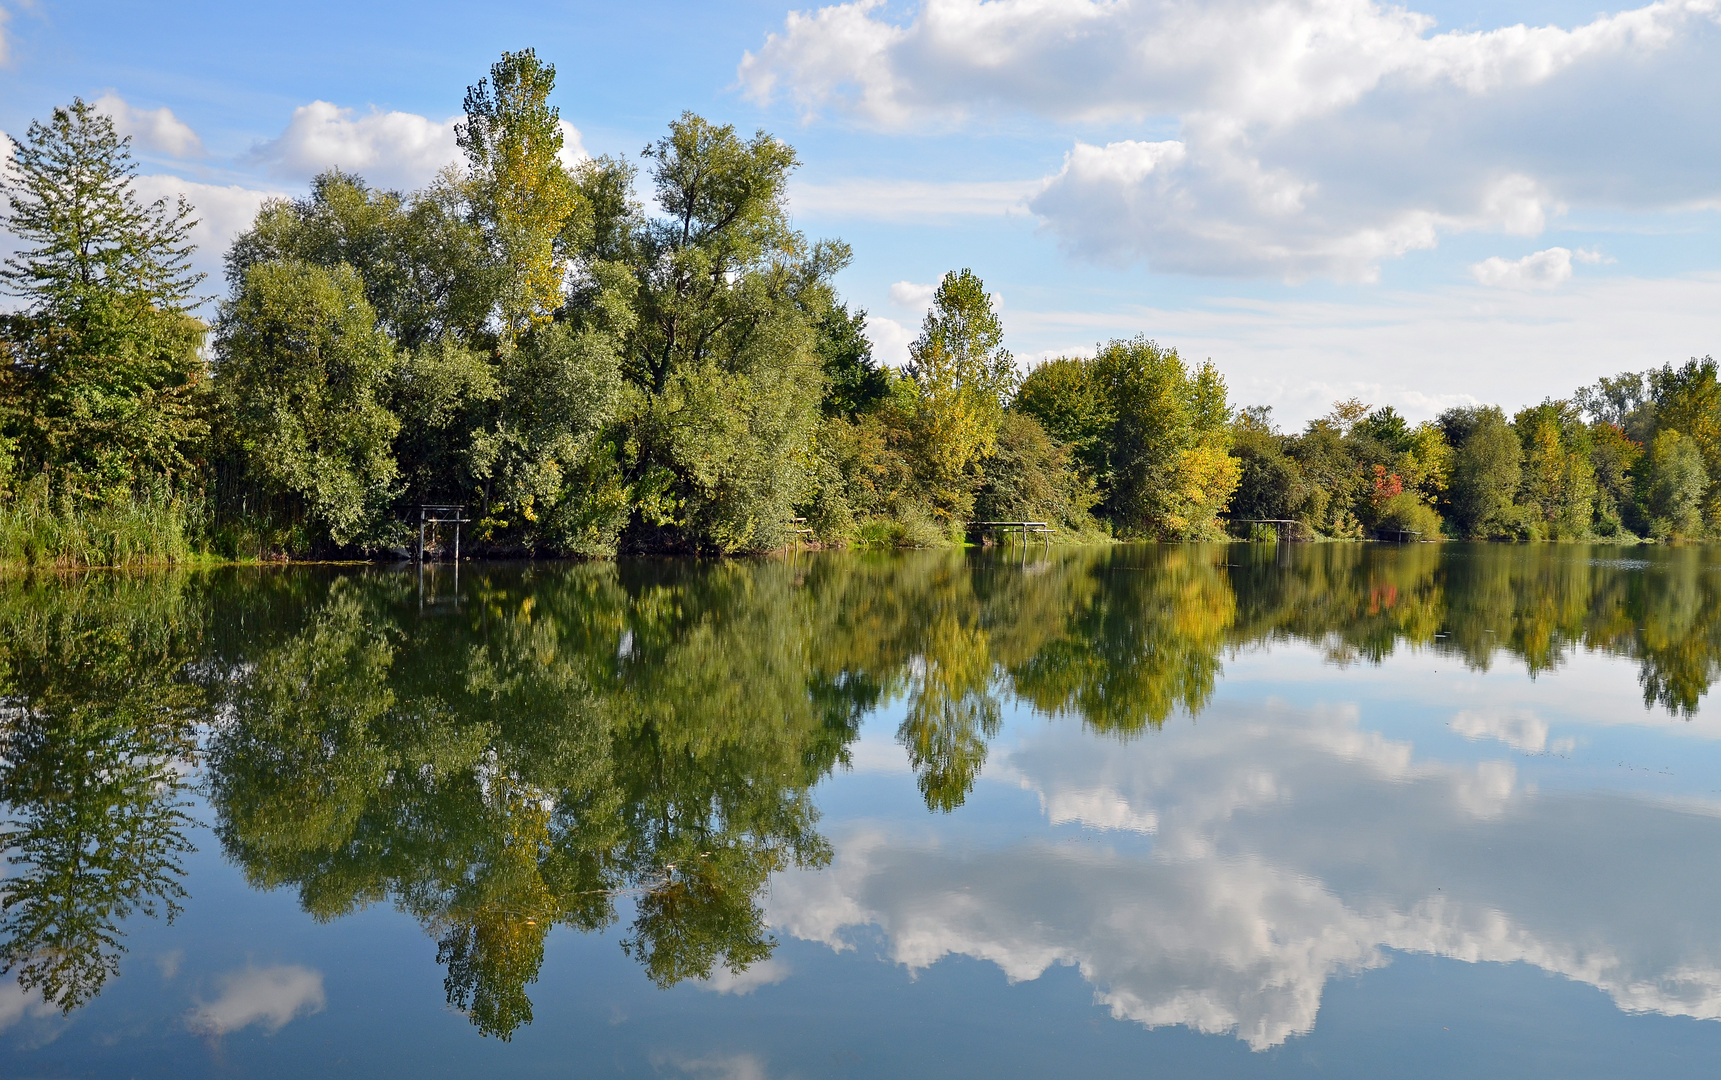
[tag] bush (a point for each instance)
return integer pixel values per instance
(1029, 477)
(1408, 513)
(912, 527)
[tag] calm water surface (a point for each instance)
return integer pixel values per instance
(1150, 811)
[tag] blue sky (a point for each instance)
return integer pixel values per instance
(1420, 206)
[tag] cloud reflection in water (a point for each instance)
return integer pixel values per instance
(1290, 846)
(271, 997)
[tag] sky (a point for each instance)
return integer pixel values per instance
(1439, 204)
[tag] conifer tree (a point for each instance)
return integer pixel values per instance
(89, 241)
(100, 377)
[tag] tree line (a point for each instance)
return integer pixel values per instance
(1633, 456)
(524, 338)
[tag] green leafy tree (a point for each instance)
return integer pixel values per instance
(100, 376)
(1623, 401)
(514, 430)
(544, 461)
(424, 260)
(1486, 471)
(1558, 485)
(854, 382)
(1062, 395)
(1270, 482)
(1386, 427)
(1336, 482)
(1688, 400)
(446, 396)
(1168, 470)
(1676, 484)
(1030, 477)
(717, 305)
(1152, 433)
(302, 370)
(1614, 456)
(88, 241)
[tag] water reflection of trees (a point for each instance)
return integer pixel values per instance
(1141, 638)
(562, 743)
(1121, 638)
(583, 745)
(97, 731)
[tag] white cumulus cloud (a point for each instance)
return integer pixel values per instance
(16, 1003)
(1291, 846)
(223, 211)
(271, 997)
(913, 296)
(390, 149)
(1519, 728)
(1271, 60)
(151, 129)
(1311, 137)
(1541, 270)
(1095, 60)
(890, 339)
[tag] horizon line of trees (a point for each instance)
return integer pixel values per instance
(1634, 456)
(525, 339)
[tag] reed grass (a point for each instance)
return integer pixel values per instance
(38, 530)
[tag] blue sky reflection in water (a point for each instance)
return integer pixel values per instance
(1332, 810)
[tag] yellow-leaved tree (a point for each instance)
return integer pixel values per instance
(963, 376)
(513, 141)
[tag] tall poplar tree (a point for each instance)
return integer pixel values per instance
(513, 142)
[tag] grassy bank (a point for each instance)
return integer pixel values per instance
(39, 530)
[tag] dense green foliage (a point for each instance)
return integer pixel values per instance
(100, 378)
(303, 366)
(524, 339)
(1152, 433)
(1631, 456)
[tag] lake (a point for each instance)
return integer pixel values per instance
(1325, 810)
